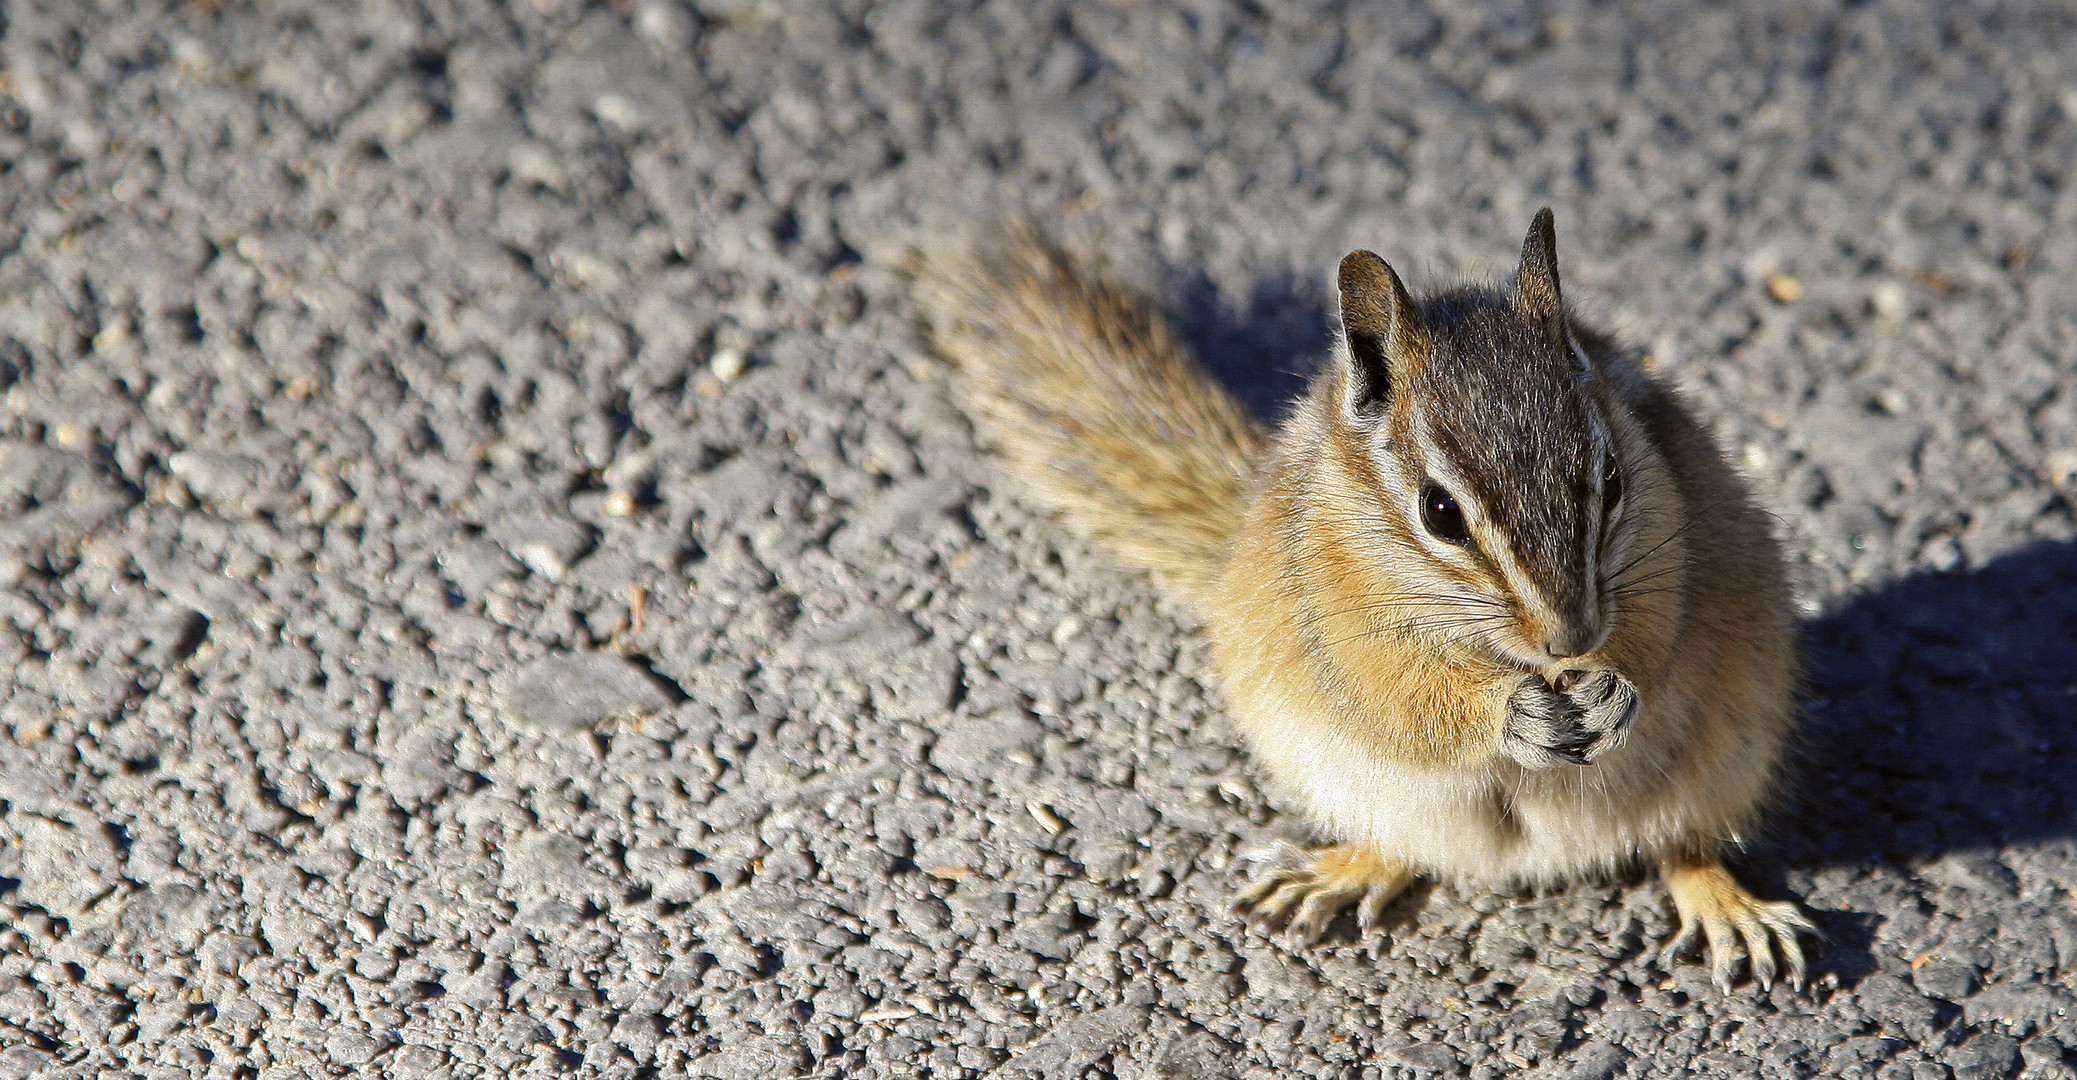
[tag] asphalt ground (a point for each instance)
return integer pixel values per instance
(491, 583)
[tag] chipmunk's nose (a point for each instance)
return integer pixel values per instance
(1573, 639)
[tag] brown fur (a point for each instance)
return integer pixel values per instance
(1372, 666)
(1085, 392)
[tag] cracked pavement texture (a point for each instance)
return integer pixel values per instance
(492, 585)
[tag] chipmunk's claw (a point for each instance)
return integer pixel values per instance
(1268, 870)
(1268, 901)
(1370, 911)
(1312, 887)
(1715, 907)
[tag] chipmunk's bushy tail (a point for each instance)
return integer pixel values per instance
(1094, 405)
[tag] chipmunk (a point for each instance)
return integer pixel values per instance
(1489, 598)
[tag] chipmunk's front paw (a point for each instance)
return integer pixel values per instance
(1607, 704)
(1581, 717)
(1312, 886)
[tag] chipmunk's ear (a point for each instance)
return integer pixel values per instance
(1387, 340)
(1536, 295)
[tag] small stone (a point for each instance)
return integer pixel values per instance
(2043, 1056)
(2060, 466)
(547, 545)
(620, 504)
(727, 364)
(112, 337)
(68, 434)
(1597, 1061)
(192, 57)
(552, 870)
(1783, 288)
(416, 1061)
(63, 869)
(662, 24)
(568, 691)
(1987, 1057)
(972, 746)
(227, 480)
(617, 111)
(868, 640)
(1947, 980)
(475, 564)
(2020, 1008)
(1067, 630)
(22, 1062)
(532, 163)
(346, 1047)
(1427, 1057)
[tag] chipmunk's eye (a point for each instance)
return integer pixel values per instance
(1611, 485)
(1443, 517)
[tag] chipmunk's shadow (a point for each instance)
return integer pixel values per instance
(1261, 348)
(1939, 716)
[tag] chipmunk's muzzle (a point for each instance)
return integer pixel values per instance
(1573, 639)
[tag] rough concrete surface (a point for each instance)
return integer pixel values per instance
(492, 584)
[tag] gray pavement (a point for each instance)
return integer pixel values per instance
(492, 585)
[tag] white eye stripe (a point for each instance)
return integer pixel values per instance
(1579, 354)
(1490, 544)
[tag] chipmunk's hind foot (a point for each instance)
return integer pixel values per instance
(1312, 886)
(1715, 907)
